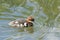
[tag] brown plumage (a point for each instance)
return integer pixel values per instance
(22, 22)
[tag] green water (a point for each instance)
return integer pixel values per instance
(45, 12)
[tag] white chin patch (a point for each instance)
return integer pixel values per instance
(25, 24)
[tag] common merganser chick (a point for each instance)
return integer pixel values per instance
(22, 22)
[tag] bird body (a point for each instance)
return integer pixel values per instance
(22, 22)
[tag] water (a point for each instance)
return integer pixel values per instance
(45, 12)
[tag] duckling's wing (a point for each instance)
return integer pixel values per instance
(21, 20)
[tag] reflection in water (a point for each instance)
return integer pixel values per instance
(25, 29)
(29, 29)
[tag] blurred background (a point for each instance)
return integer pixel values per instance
(45, 12)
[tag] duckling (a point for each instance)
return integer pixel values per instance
(22, 22)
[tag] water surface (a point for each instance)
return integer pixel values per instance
(45, 12)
